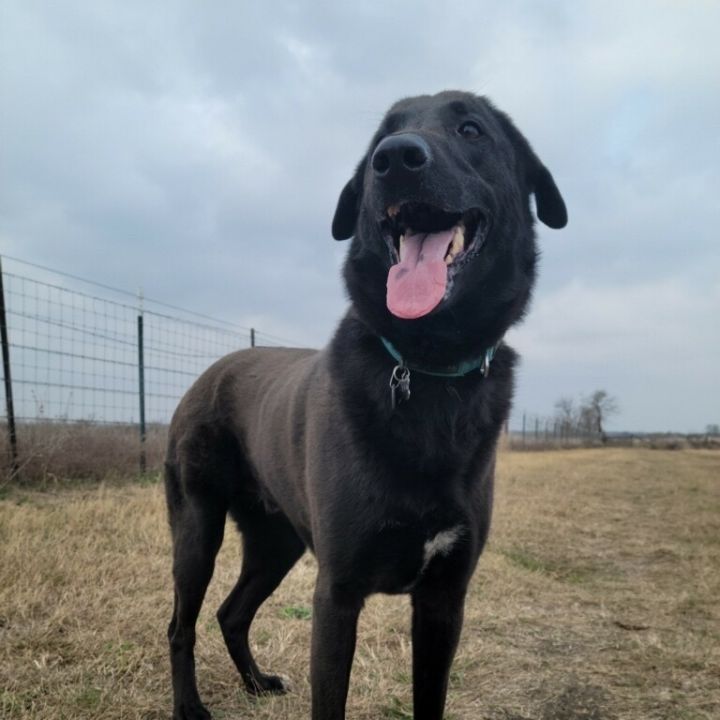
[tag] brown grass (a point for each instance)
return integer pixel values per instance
(597, 599)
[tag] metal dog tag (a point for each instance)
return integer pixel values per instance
(399, 385)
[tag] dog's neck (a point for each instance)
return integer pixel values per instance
(460, 369)
(465, 411)
(434, 347)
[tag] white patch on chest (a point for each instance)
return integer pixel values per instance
(441, 544)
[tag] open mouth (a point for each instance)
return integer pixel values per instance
(428, 246)
(410, 219)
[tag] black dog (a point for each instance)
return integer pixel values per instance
(378, 452)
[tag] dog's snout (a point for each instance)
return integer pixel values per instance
(406, 152)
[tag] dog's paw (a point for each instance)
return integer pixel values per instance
(269, 685)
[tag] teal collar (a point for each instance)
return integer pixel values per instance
(459, 370)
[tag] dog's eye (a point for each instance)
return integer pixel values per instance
(470, 130)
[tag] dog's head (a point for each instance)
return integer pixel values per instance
(443, 253)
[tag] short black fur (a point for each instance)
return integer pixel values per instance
(304, 449)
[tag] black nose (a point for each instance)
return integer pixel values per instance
(401, 153)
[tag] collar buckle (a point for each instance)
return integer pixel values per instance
(399, 384)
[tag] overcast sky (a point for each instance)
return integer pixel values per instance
(197, 150)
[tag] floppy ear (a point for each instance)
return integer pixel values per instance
(551, 208)
(348, 207)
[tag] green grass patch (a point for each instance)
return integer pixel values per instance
(397, 709)
(297, 612)
(88, 698)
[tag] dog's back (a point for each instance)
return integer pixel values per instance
(231, 419)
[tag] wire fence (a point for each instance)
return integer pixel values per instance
(543, 432)
(92, 375)
(75, 362)
(539, 432)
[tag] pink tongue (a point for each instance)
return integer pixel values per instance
(417, 283)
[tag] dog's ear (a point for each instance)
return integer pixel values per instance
(551, 208)
(550, 205)
(348, 207)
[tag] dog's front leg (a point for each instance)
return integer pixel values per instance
(335, 615)
(436, 623)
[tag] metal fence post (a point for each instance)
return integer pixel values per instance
(10, 407)
(141, 388)
(252, 337)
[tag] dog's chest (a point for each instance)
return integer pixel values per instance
(397, 555)
(441, 544)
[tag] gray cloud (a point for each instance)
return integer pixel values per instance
(197, 151)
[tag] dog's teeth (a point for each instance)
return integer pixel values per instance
(457, 245)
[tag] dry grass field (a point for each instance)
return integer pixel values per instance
(597, 599)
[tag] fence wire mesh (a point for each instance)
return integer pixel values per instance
(74, 356)
(542, 432)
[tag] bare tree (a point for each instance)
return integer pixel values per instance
(595, 411)
(586, 422)
(566, 415)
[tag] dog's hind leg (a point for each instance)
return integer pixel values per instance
(270, 548)
(197, 526)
